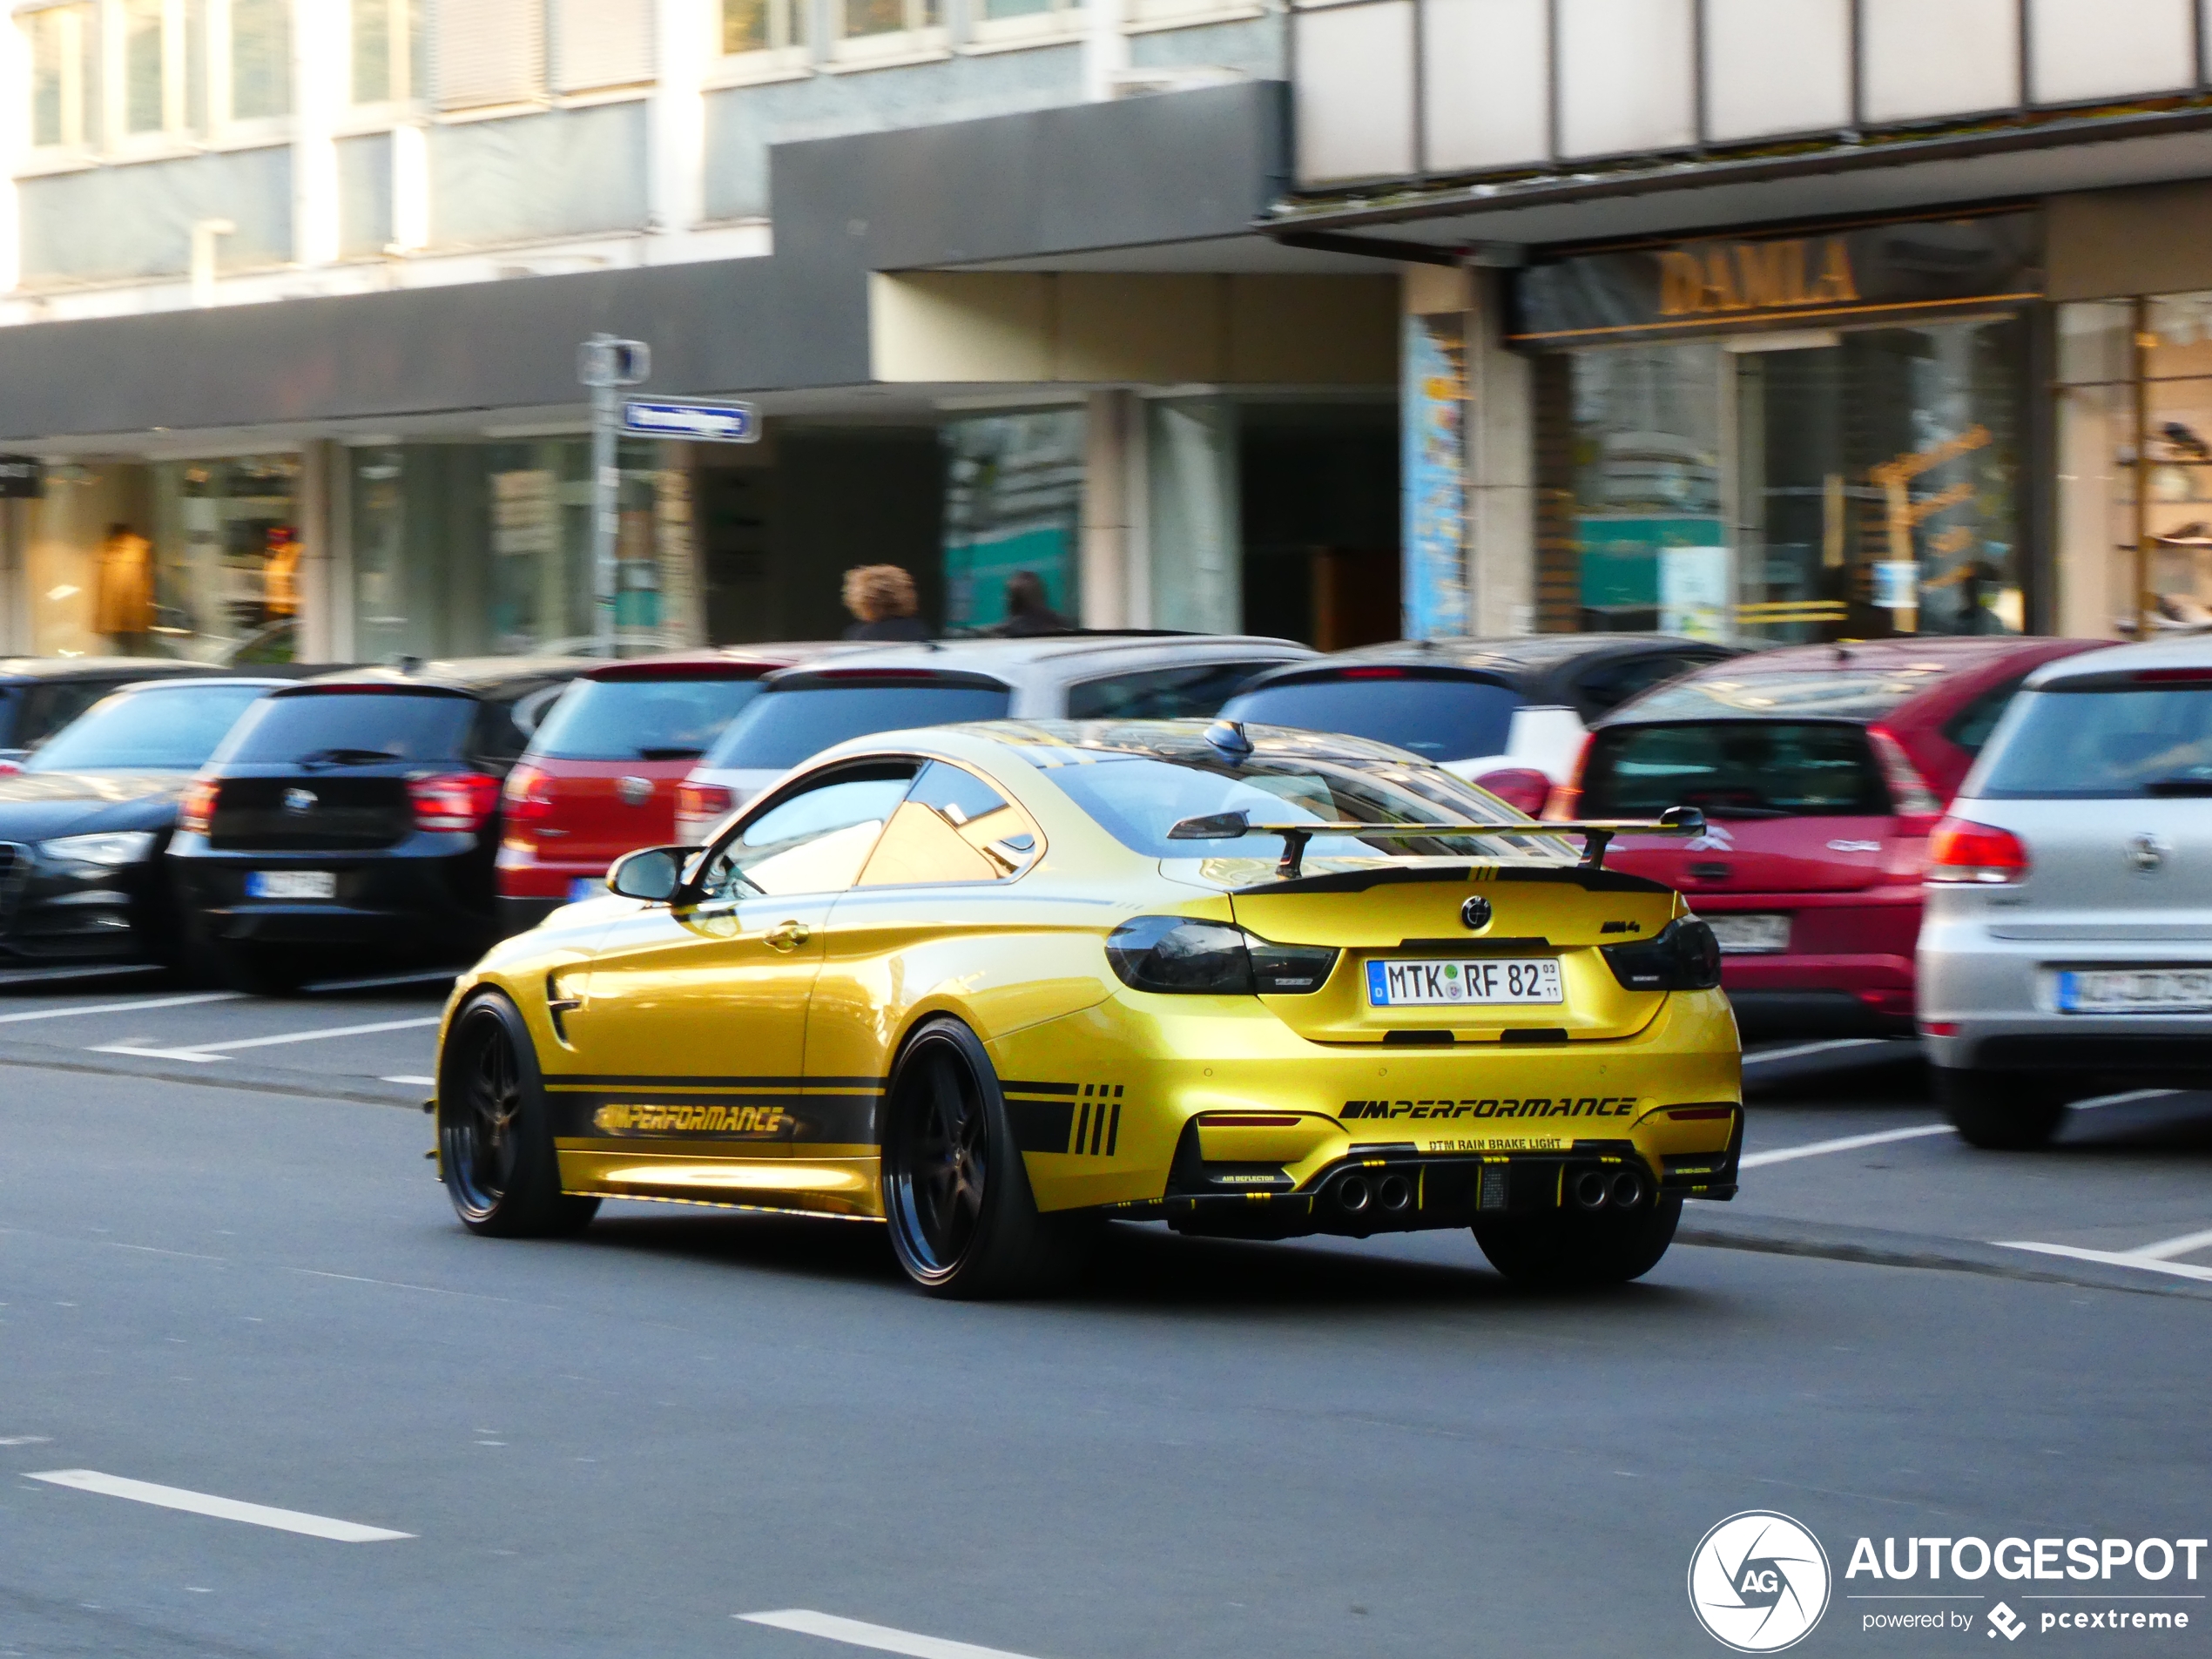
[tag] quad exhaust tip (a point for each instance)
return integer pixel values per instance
(1596, 1190)
(1354, 1195)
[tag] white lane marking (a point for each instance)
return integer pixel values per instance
(882, 1637)
(201, 1503)
(2112, 1259)
(26, 1439)
(205, 1052)
(1848, 1143)
(1813, 1048)
(2188, 1244)
(420, 1082)
(2097, 1103)
(124, 1007)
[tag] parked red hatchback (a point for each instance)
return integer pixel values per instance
(600, 776)
(1820, 769)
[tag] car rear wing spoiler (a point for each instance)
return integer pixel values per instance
(1597, 834)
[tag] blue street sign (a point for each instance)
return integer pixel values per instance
(694, 422)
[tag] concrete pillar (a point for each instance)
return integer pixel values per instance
(1501, 469)
(678, 115)
(320, 95)
(410, 189)
(1113, 537)
(322, 532)
(1105, 49)
(15, 148)
(1195, 550)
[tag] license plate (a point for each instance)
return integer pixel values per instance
(586, 887)
(2136, 990)
(291, 884)
(1490, 979)
(1742, 935)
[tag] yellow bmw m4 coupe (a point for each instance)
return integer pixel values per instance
(996, 984)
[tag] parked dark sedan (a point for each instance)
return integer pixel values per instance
(84, 823)
(357, 816)
(40, 695)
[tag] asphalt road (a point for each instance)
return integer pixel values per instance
(232, 1277)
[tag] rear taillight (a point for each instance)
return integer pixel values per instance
(1566, 798)
(702, 801)
(1910, 796)
(453, 800)
(528, 795)
(1522, 788)
(1961, 850)
(196, 809)
(1683, 957)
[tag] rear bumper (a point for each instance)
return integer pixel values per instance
(407, 902)
(1845, 948)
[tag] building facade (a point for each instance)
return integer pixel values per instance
(1785, 319)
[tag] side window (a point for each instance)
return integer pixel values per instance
(1189, 690)
(503, 727)
(952, 827)
(1609, 685)
(50, 707)
(813, 842)
(1971, 726)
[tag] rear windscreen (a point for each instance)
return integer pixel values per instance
(641, 719)
(2118, 743)
(1439, 719)
(1733, 769)
(350, 728)
(781, 728)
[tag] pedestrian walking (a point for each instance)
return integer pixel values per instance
(1027, 613)
(882, 597)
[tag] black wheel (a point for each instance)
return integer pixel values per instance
(1563, 1252)
(495, 1143)
(2002, 1111)
(957, 1195)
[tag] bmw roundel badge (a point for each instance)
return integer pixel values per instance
(1476, 912)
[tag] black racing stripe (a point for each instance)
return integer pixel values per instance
(1041, 1125)
(1578, 875)
(655, 1080)
(1360, 880)
(1098, 1130)
(1083, 1127)
(1114, 1126)
(1010, 1088)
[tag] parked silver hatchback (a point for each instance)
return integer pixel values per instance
(2067, 945)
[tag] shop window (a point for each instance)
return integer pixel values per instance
(1012, 503)
(64, 75)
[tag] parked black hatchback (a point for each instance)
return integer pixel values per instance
(353, 819)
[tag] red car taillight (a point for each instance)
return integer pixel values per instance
(453, 800)
(1963, 850)
(1910, 796)
(1566, 798)
(196, 809)
(529, 795)
(702, 801)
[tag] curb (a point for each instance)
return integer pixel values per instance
(1879, 1247)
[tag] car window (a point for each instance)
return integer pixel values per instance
(1734, 769)
(640, 720)
(782, 727)
(355, 725)
(48, 708)
(952, 826)
(1604, 686)
(1184, 692)
(505, 722)
(1438, 718)
(815, 839)
(1971, 726)
(2109, 742)
(172, 730)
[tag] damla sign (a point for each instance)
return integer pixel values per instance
(1846, 275)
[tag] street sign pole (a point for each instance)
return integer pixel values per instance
(606, 364)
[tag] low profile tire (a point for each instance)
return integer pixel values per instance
(2001, 1111)
(494, 1142)
(963, 1221)
(1557, 1252)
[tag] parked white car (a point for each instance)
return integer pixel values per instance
(1508, 714)
(2065, 949)
(1077, 676)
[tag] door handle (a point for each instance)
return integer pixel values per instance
(788, 935)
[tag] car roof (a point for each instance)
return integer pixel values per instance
(479, 676)
(68, 668)
(1919, 667)
(735, 660)
(1054, 657)
(200, 682)
(1517, 653)
(2189, 651)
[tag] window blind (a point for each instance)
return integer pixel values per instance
(488, 51)
(602, 42)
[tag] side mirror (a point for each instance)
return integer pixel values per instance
(652, 874)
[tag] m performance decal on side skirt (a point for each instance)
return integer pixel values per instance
(827, 1112)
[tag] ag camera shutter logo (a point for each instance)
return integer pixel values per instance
(1759, 1581)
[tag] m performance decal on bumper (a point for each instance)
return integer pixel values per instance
(1536, 1106)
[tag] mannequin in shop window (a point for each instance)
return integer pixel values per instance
(281, 575)
(123, 589)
